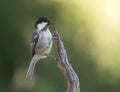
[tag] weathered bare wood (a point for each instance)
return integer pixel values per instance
(71, 78)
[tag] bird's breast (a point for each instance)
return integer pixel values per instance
(45, 39)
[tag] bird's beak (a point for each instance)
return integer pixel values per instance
(50, 23)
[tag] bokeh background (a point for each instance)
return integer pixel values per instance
(90, 30)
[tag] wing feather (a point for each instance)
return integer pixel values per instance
(35, 37)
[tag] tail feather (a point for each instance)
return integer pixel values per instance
(31, 68)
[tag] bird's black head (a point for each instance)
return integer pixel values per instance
(42, 19)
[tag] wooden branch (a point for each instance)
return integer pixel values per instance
(71, 78)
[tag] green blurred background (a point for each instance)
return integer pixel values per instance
(90, 30)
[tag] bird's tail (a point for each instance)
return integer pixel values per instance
(31, 68)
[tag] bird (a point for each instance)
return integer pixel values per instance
(41, 43)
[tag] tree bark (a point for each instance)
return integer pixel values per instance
(71, 78)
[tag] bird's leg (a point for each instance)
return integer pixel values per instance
(53, 37)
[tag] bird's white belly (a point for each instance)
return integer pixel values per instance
(44, 43)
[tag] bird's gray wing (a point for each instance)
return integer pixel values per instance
(35, 37)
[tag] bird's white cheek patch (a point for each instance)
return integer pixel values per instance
(41, 25)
